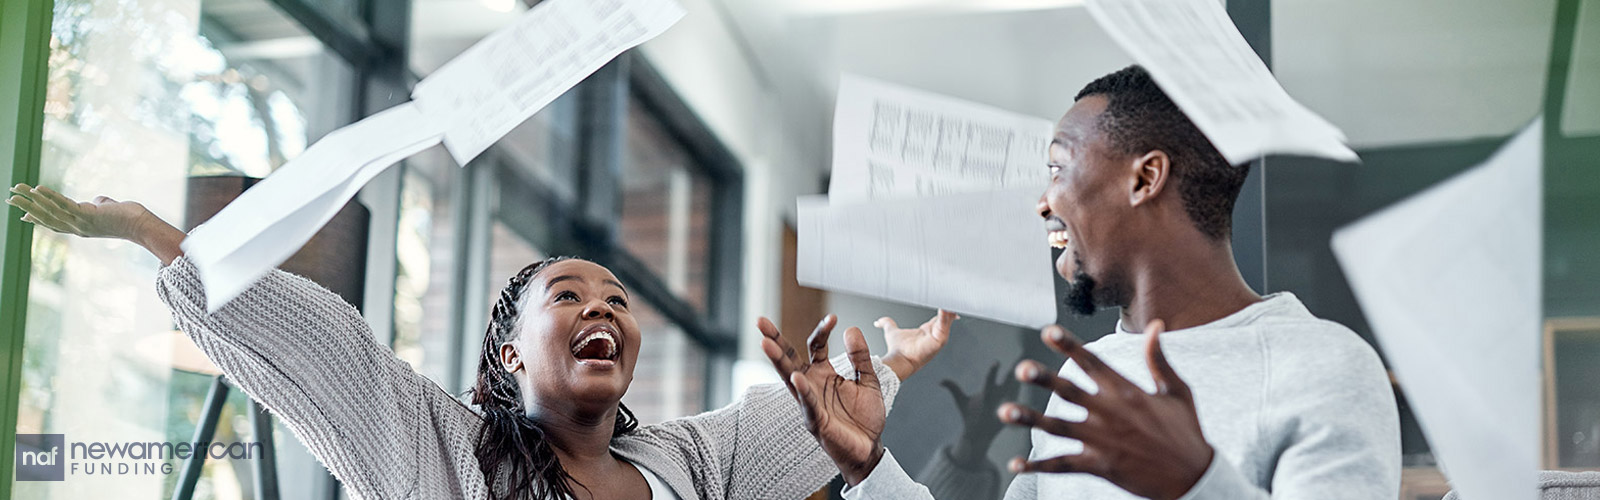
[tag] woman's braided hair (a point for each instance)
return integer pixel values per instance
(509, 439)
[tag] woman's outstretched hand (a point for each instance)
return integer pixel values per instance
(845, 415)
(101, 218)
(912, 348)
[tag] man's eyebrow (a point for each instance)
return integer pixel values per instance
(565, 277)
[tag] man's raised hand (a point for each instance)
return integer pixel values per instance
(1147, 443)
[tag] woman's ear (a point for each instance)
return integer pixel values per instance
(510, 358)
(1150, 173)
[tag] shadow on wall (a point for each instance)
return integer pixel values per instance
(925, 417)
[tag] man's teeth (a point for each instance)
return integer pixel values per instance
(1058, 239)
(611, 343)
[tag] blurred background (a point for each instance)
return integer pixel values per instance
(677, 166)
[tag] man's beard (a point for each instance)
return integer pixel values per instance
(1085, 295)
(1080, 293)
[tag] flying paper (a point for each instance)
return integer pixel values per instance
(891, 141)
(981, 253)
(511, 74)
(1196, 54)
(469, 104)
(1450, 280)
(269, 222)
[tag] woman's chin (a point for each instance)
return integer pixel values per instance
(599, 380)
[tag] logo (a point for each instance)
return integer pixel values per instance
(41, 457)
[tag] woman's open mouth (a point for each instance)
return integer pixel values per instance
(598, 344)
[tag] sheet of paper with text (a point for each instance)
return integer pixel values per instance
(1196, 54)
(1450, 280)
(893, 141)
(511, 74)
(271, 221)
(468, 104)
(979, 253)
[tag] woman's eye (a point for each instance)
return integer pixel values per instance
(566, 296)
(1054, 169)
(618, 301)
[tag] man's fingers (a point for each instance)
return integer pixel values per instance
(1166, 378)
(1032, 372)
(818, 341)
(855, 344)
(955, 393)
(1016, 414)
(886, 323)
(1085, 462)
(1066, 343)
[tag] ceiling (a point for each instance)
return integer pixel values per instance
(1387, 72)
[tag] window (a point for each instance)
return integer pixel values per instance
(666, 206)
(142, 97)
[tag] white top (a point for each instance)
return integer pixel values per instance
(658, 489)
(1295, 407)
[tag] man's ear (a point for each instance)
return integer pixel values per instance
(510, 358)
(1150, 173)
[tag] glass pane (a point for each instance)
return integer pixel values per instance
(669, 381)
(425, 252)
(1581, 114)
(142, 96)
(545, 146)
(666, 207)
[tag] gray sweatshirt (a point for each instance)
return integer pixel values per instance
(1295, 407)
(388, 432)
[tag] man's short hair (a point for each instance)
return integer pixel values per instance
(1139, 118)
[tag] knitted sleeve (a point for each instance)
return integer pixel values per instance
(757, 447)
(310, 359)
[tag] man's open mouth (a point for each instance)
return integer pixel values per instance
(598, 341)
(1057, 232)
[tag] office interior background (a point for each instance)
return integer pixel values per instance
(677, 166)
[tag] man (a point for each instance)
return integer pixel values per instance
(1272, 401)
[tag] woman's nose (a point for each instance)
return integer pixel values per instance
(598, 310)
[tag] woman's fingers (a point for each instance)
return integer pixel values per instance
(818, 342)
(41, 197)
(39, 215)
(855, 345)
(60, 200)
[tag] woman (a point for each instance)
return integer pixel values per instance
(557, 358)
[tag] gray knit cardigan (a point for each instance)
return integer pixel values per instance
(386, 431)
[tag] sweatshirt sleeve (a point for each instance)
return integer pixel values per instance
(1332, 415)
(942, 478)
(758, 446)
(1332, 418)
(310, 359)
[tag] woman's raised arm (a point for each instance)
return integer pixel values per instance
(101, 218)
(307, 356)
